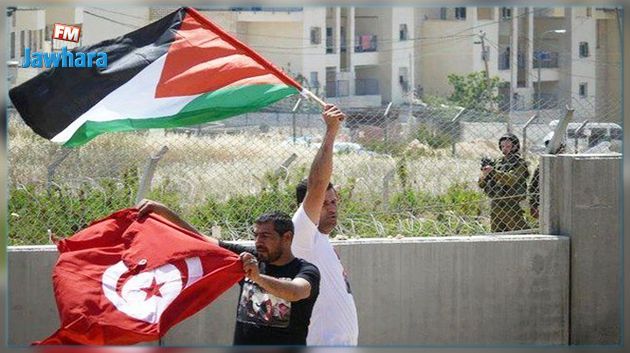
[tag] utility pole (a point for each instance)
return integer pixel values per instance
(511, 71)
(412, 76)
(484, 54)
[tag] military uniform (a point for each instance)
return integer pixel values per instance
(534, 189)
(506, 185)
(534, 184)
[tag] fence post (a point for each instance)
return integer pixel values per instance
(293, 112)
(65, 152)
(453, 121)
(508, 123)
(386, 179)
(385, 116)
(525, 134)
(285, 165)
(578, 131)
(559, 132)
(147, 176)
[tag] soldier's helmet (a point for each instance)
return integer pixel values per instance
(515, 142)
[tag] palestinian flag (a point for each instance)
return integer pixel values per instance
(181, 70)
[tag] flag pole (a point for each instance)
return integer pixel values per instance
(308, 94)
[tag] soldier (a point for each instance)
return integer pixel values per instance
(504, 180)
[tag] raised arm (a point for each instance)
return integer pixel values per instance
(321, 169)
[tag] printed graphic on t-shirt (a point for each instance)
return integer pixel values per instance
(259, 307)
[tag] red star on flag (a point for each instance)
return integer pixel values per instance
(152, 290)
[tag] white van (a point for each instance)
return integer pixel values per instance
(592, 135)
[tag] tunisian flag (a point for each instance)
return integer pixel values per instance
(123, 280)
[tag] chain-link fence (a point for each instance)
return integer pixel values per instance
(414, 171)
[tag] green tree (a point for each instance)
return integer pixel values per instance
(474, 90)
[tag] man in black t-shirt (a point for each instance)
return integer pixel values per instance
(279, 290)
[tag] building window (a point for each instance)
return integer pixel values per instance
(22, 43)
(41, 38)
(330, 46)
(403, 78)
(314, 80)
(589, 11)
(12, 45)
(316, 35)
(583, 90)
(30, 38)
(443, 13)
(506, 12)
(583, 49)
(404, 35)
(460, 13)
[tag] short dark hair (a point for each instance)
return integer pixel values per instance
(282, 222)
(300, 190)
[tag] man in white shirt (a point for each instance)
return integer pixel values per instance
(334, 320)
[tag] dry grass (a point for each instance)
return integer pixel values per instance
(219, 167)
(224, 165)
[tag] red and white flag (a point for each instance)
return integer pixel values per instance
(124, 281)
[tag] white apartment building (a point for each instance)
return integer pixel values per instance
(64, 15)
(32, 28)
(367, 57)
(27, 30)
(355, 57)
(97, 23)
(578, 50)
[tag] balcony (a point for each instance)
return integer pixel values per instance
(366, 87)
(504, 61)
(337, 88)
(545, 59)
(365, 43)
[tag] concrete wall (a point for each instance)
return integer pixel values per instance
(581, 198)
(452, 290)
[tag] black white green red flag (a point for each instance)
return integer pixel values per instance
(180, 70)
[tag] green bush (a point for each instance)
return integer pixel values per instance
(33, 209)
(433, 137)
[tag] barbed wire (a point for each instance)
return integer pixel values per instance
(398, 175)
